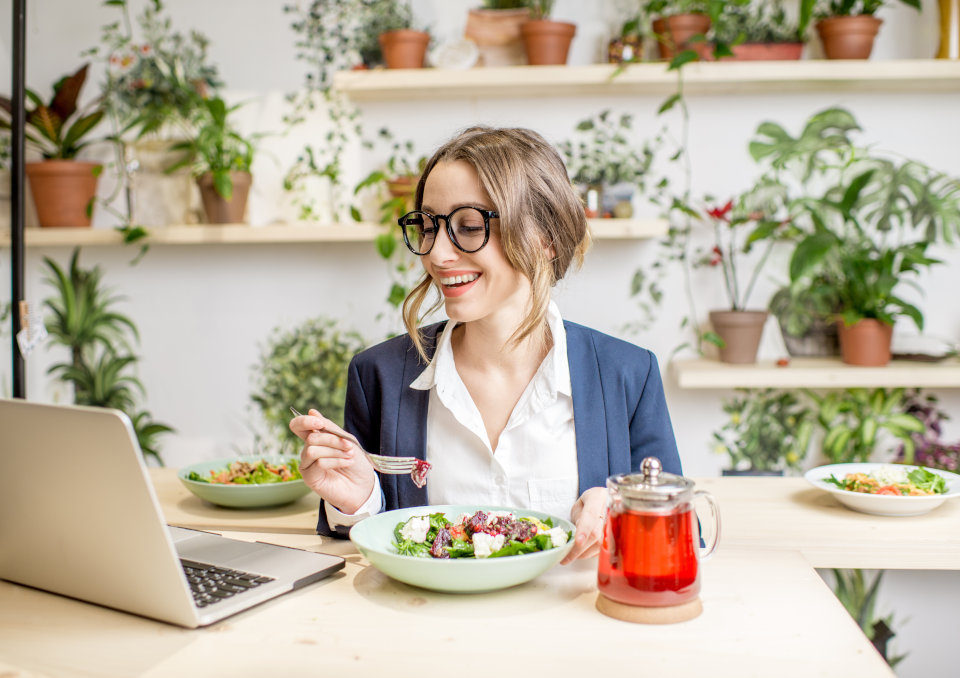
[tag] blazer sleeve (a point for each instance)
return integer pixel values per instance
(651, 431)
(357, 419)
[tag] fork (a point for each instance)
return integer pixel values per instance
(390, 465)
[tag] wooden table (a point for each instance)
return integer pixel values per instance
(766, 612)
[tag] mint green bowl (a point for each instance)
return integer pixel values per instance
(242, 496)
(373, 537)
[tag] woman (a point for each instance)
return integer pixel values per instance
(510, 404)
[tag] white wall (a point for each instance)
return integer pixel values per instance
(204, 311)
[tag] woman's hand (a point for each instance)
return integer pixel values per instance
(588, 515)
(335, 468)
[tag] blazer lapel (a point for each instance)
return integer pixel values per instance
(412, 419)
(589, 416)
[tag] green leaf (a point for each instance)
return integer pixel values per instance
(669, 103)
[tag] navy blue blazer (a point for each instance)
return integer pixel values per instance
(619, 410)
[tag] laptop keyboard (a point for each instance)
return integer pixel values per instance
(211, 584)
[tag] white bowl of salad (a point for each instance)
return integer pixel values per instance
(463, 548)
(256, 481)
(886, 489)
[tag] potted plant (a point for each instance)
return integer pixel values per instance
(738, 329)
(495, 28)
(805, 311)
(627, 45)
(304, 366)
(759, 31)
(220, 159)
(547, 42)
(680, 24)
(862, 220)
(859, 599)
(605, 162)
(856, 421)
(155, 79)
(63, 187)
(847, 28)
(82, 318)
(768, 432)
(401, 45)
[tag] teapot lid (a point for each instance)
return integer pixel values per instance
(652, 483)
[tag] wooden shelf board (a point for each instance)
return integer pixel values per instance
(815, 373)
(203, 234)
(732, 77)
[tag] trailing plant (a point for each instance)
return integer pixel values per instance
(304, 367)
(856, 420)
(767, 430)
(860, 601)
(82, 318)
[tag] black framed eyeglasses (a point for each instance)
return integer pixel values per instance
(468, 229)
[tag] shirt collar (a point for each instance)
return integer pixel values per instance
(555, 368)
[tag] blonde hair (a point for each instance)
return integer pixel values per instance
(540, 214)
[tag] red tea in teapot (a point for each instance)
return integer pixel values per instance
(650, 559)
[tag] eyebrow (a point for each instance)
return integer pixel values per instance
(427, 208)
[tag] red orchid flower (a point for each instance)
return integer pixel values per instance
(721, 212)
(717, 256)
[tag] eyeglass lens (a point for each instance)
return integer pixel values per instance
(467, 226)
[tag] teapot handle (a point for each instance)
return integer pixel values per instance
(715, 512)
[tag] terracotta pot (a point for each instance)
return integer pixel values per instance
(547, 42)
(218, 210)
(404, 48)
(866, 342)
(406, 188)
(674, 32)
(497, 35)
(741, 332)
(63, 191)
(761, 51)
(820, 340)
(162, 198)
(848, 37)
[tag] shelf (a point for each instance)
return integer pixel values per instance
(732, 77)
(815, 373)
(238, 234)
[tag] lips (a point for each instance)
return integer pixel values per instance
(457, 283)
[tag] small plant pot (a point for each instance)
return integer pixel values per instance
(547, 42)
(865, 343)
(218, 210)
(626, 49)
(763, 51)
(674, 32)
(404, 48)
(63, 191)
(497, 34)
(741, 332)
(819, 341)
(848, 37)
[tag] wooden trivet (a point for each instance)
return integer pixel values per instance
(650, 615)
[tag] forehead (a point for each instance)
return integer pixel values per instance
(453, 183)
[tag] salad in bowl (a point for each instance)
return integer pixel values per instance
(886, 489)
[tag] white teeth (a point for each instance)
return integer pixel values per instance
(458, 279)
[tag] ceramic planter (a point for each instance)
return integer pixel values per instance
(404, 48)
(762, 51)
(741, 332)
(820, 340)
(547, 42)
(218, 210)
(625, 49)
(63, 191)
(848, 37)
(866, 342)
(161, 198)
(497, 34)
(674, 32)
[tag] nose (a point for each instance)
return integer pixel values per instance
(443, 249)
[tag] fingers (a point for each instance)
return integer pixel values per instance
(303, 425)
(316, 453)
(588, 515)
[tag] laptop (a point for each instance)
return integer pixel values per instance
(79, 517)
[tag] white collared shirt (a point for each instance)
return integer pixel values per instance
(535, 463)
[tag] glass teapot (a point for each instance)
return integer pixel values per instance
(650, 556)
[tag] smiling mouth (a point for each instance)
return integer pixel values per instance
(459, 280)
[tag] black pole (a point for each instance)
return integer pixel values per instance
(17, 184)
